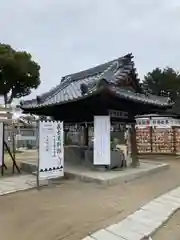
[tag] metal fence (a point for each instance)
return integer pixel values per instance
(27, 137)
(24, 137)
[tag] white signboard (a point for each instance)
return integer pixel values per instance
(159, 122)
(51, 150)
(1, 144)
(142, 122)
(118, 114)
(101, 140)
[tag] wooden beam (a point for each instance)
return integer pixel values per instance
(86, 136)
(134, 151)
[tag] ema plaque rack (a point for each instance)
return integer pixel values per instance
(158, 134)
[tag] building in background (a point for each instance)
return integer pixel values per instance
(19, 127)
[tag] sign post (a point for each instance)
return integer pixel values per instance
(2, 147)
(51, 151)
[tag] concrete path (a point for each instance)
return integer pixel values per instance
(144, 222)
(16, 183)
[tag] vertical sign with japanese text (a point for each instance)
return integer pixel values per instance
(51, 152)
(102, 140)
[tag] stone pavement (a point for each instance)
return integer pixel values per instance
(16, 183)
(144, 222)
(86, 174)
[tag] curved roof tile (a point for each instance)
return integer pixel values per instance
(112, 72)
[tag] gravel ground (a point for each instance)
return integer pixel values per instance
(170, 230)
(72, 209)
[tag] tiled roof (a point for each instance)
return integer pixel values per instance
(70, 88)
(176, 108)
(140, 97)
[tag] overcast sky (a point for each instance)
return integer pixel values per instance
(66, 36)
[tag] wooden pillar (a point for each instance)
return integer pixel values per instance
(13, 146)
(134, 151)
(86, 136)
(174, 140)
(66, 137)
(151, 138)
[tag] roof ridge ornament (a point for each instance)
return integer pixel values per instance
(116, 65)
(66, 78)
(84, 88)
(38, 99)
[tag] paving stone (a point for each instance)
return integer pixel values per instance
(153, 206)
(106, 235)
(172, 198)
(8, 192)
(16, 183)
(130, 225)
(146, 214)
(168, 201)
(150, 224)
(175, 192)
(176, 195)
(88, 238)
(168, 208)
(126, 230)
(155, 216)
(169, 205)
(161, 209)
(152, 221)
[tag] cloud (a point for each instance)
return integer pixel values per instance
(70, 35)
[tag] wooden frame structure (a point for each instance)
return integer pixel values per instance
(4, 114)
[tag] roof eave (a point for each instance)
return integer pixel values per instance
(98, 90)
(140, 100)
(87, 95)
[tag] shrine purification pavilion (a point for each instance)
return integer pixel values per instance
(111, 90)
